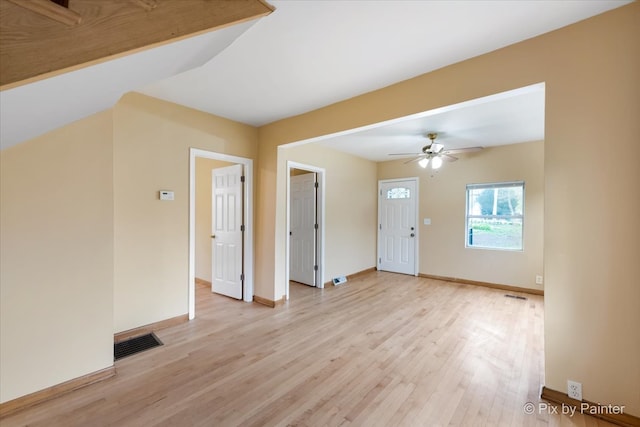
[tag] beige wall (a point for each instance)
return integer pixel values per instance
(151, 153)
(203, 215)
(88, 249)
(443, 200)
(56, 257)
(350, 209)
(591, 226)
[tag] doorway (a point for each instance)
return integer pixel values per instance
(305, 225)
(397, 226)
(247, 219)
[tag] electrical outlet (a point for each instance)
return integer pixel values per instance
(538, 280)
(574, 390)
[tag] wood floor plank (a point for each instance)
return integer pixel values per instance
(382, 349)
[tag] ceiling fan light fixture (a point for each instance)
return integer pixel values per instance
(424, 162)
(436, 163)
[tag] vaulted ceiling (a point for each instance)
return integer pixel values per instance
(304, 55)
(55, 70)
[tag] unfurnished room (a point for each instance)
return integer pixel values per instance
(319, 213)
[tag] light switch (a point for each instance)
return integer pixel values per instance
(427, 221)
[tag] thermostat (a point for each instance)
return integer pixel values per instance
(166, 195)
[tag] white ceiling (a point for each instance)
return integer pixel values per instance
(510, 117)
(308, 54)
(305, 55)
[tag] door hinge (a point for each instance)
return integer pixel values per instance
(315, 226)
(242, 227)
(381, 192)
(379, 260)
(315, 268)
(316, 185)
(242, 178)
(242, 277)
(380, 226)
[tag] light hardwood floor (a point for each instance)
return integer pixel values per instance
(381, 350)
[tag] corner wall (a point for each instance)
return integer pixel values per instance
(56, 257)
(151, 153)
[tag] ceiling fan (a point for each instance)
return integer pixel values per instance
(435, 153)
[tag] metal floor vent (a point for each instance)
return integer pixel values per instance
(135, 345)
(514, 296)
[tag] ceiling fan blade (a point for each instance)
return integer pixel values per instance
(415, 159)
(463, 150)
(448, 157)
(404, 154)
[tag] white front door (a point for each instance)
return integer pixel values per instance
(397, 226)
(226, 231)
(302, 231)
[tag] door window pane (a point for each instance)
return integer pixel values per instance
(399, 193)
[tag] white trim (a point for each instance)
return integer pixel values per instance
(321, 221)
(247, 292)
(416, 261)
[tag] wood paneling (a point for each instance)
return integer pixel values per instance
(51, 10)
(383, 349)
(34, 46)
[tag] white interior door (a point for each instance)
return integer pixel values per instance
(302, 229)
(397, 226)
(226, 231)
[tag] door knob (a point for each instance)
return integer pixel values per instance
(213, 236)
(413, 235)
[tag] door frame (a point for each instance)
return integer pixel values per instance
(320, 211)
(416, 213)
(248, 238)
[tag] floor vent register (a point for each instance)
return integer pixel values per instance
(135, 345)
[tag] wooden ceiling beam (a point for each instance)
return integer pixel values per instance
(33, 46)
(146, 4)
(51, 10)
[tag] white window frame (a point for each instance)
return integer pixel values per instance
(493, 185)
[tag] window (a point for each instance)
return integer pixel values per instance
(495, 215)
(399, 193)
